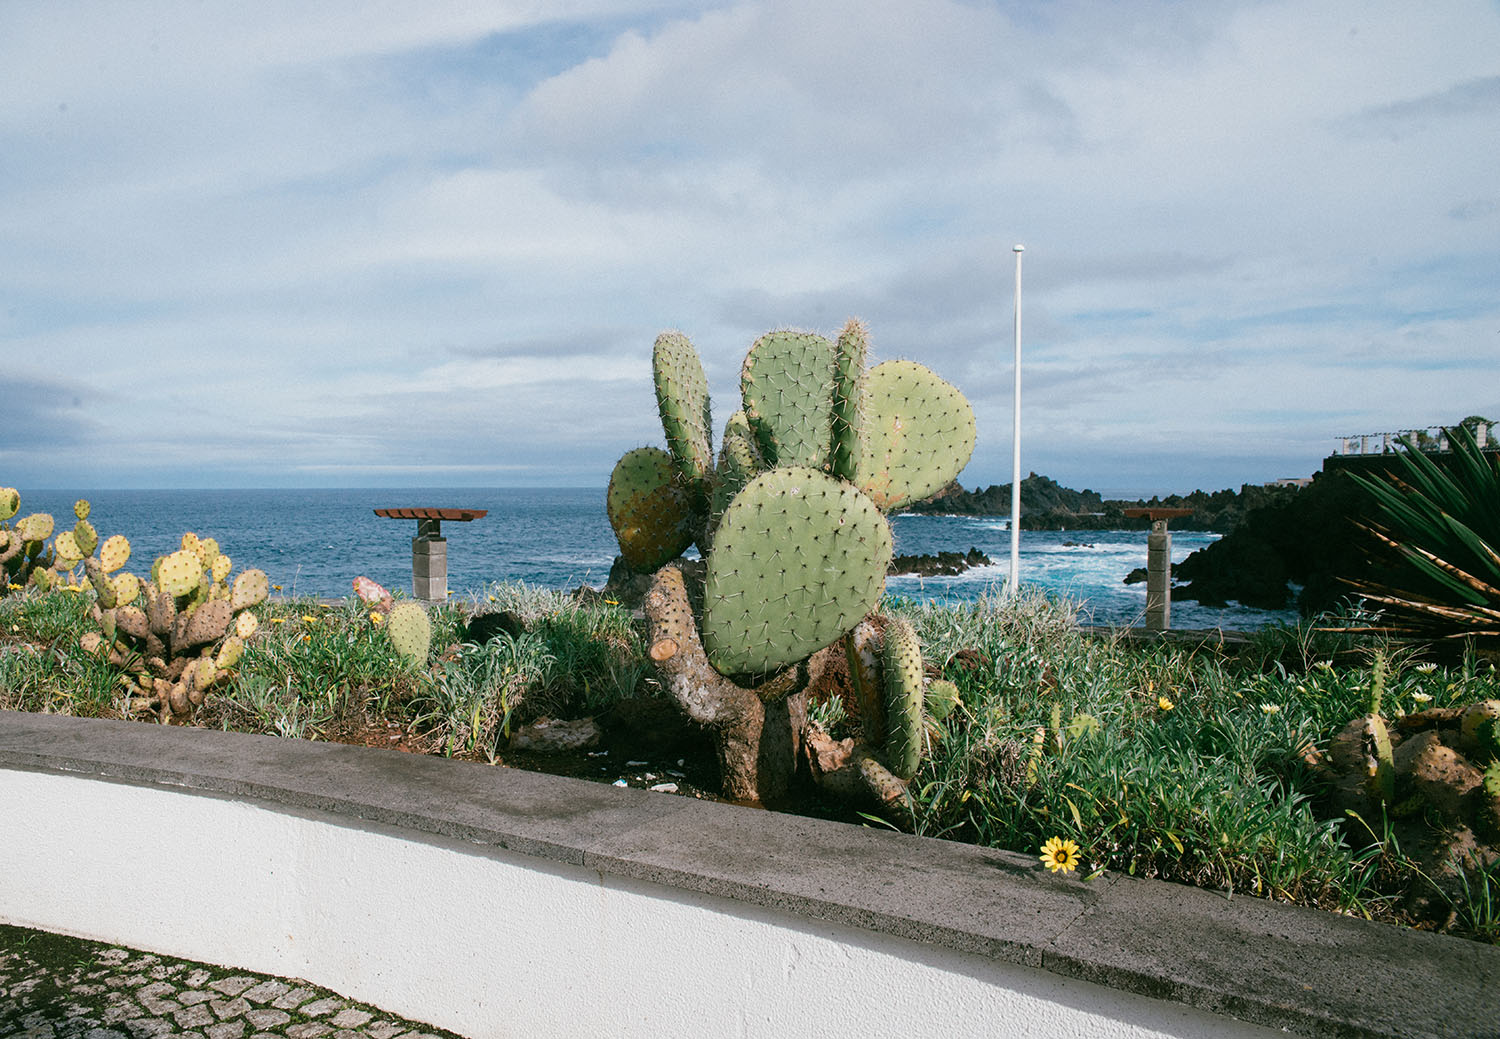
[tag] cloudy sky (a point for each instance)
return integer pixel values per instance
(397, 244)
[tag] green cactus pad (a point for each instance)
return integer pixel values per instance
(1491, 780)
(942, 696)
(246, 624)
(86, 537)
(850, 351)
(739, 463)
(919, 434)
(799, 558)
(179, 574)
(126, 588)
(648, 508)
(36, 528)
(230, 652)
(1382, 778)
(10, 502)
(68, 552)
(410, 631)
(81, 508)
(250, 589)
(220, 567)
(114, 553)
(787, 386)
(901, 668)
(682, 400)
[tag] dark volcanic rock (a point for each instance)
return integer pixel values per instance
(944, 564)
(487, 626)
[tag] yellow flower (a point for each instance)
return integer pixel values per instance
(1421, 697)
(276, 588)
(1060, 856)
(376, 617)
(1164, 703)
(278, 620)
(309, 619)
(306, 638)
(491, 598)
(613, 602)
(1270, 708)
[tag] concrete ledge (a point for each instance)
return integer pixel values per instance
(760, 922)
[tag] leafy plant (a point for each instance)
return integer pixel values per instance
(1440, 523)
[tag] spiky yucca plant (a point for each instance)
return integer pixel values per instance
(1441, 525)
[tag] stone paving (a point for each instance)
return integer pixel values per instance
(55, 987)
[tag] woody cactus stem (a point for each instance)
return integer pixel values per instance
(757, 729)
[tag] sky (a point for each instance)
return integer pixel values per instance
(386, 244)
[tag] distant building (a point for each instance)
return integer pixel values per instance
(1290, 481)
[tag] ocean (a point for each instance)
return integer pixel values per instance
(315, 542)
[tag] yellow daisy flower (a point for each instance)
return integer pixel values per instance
(1164, 703)
(309, 618)
(376, 617)
(1060, 856)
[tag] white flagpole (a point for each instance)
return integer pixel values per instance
(1013, 585)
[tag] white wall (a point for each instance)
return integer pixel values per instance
(488, 943)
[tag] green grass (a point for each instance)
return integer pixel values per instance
(1158, 761)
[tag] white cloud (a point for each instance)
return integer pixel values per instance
(353, 232)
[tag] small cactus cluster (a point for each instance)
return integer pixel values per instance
(26, 560)
(790, 516)
(1443, 762)
(180, 633)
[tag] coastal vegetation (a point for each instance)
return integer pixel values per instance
(1197, 764)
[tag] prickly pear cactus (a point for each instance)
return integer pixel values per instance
(179, 635)
(410, 631)
(798, 559)
(682, 399)
(787, 383)
(790, 522)
(649, 508)
(919, 434)
(26, 560)
(901, 668)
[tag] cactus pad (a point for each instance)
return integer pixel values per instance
(245, 625)
(848, 398)
(942, 697)
(10, 502)
(179, 574)
(919, 434)
(649, 509)
(68, 553)
(250, 589)
(36, 527)
(207, 623)
(114, 553)
(231, 651)
(798, 559)
(787, 385)
(901, 668)
(81, 508)
(126, 588)
(85, 536)
(682, 399)
(411, 632)
(220, 567)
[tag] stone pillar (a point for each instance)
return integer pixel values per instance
(1481, 434)
(429, 562)
(1158, 577)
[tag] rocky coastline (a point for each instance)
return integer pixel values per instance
(1283, 547)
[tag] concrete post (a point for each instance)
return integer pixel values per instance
(1158, 577)
(429, 562)
(1481, 434)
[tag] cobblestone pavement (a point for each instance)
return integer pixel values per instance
(54, 987)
